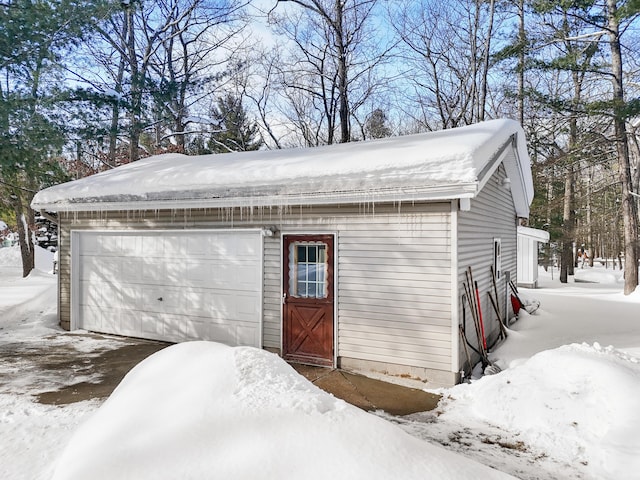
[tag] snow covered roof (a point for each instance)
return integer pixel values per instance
(534, 233)
(440, 165)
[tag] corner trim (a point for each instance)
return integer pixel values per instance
(455, 337)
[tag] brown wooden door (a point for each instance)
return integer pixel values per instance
(308, 299)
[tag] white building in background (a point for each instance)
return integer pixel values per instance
(528, 239)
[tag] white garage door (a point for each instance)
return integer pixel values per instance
(167, 285)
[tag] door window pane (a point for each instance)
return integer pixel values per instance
(301, 290)
(302, 253)
(307, 270)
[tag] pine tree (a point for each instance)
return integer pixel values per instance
(235, 132)
(376, 125)
(34, 36)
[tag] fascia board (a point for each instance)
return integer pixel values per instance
(433, 193)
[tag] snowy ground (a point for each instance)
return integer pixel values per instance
(564, 406)
(32, 435)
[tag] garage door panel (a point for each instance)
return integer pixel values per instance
(219, 246)
(130, 295)
(111, 322)
(197, 328)
(153, 246)
(247, 335)
(237, 276)
(247, 276)
(172, 286)
(152, 271)
(173, 246)
(131, 246)
(91, 293)
(100, 269)
(151, 324)
(197, 273)
(129, 323)
(247, 307)
(92, 317)
(110, 245)
(90, 269)
(172, 300)
(175, 327)
(222, 305)
(152, 299)
(196, 301)
(175, 273)
(131, 270)
(195, 247)
(223, 333)
(111, 294)
(89, 244)
(245, 248)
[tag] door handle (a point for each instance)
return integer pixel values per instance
(284, 298)
(159, 299)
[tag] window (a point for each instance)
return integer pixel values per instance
(497, 256)
(308, 270)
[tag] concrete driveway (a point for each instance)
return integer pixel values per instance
(64, 368)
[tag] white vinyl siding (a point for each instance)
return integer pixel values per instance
(492, 216)
(394, 290)
(528, 246)
(272, 293)
(393, 271)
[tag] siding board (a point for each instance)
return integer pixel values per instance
(411, 322)
(492, 215)
(410, 318)
(381, 332)
(396, 357)
(393, 270)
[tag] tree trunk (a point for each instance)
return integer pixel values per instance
(343, 82)
(590, 242)
(24, 219)
(629, 210)
(136, 88)
(568, 218)
(522, 37)
(115, 109)
(485, 63)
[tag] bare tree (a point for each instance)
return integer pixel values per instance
(447, 51)
(332, 70)
(152, 64)
(186, 69)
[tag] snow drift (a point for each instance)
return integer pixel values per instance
(203, 410)
(578, 402)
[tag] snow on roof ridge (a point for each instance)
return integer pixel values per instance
(425, 161)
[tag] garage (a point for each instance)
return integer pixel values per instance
(169, 285)
(237, 247)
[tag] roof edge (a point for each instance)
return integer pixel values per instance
(432, 193)
(534, 233)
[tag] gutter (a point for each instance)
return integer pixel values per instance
(417, 194)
